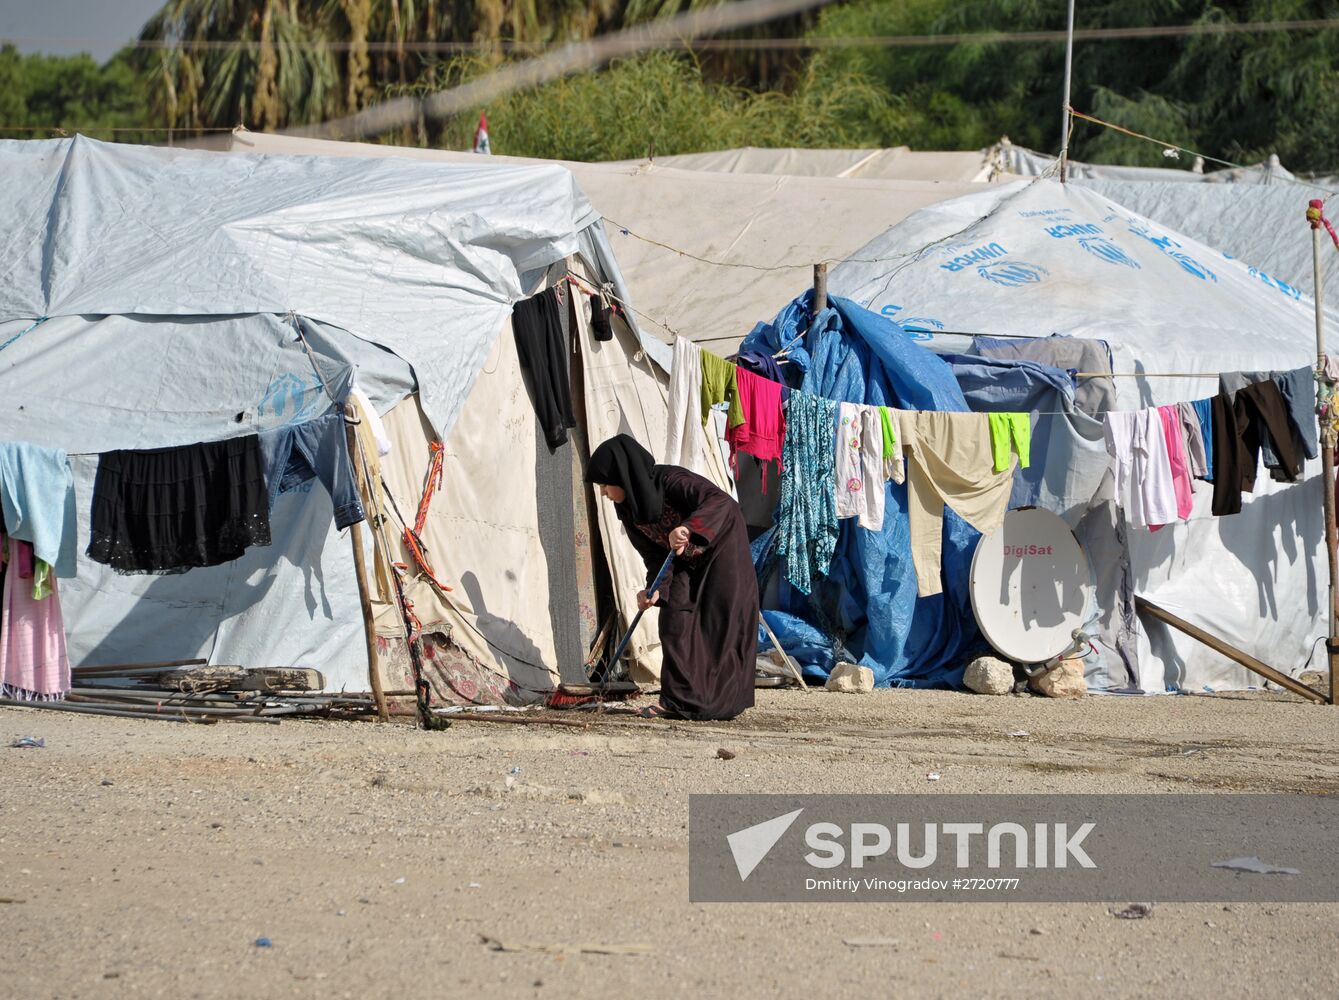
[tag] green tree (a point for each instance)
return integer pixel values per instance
(1236, 96)
(662, 102)
(41, 95)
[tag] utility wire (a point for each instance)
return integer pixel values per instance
(432, 47)
(1190, 152)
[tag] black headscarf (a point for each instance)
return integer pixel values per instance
(622, 462)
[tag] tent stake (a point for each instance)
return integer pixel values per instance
(1231, 652)
(1327, 441)
(369, 622)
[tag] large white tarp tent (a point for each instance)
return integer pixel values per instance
(153, 297)
(748, 241)
(1038, 258)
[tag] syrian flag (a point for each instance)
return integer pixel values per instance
(481, 135)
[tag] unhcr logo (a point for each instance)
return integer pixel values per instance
(1173, 249)
(1013, 273)
(1105, 250)
(963, 261)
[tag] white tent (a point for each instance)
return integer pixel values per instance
(1025, 162)
(749, 241)
(899, 163)
(155, 298)
(1037, 258)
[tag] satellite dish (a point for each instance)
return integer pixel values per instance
(1031, 586)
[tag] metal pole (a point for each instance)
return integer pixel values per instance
(1064, 109)
(1327, 441)
(820, 288)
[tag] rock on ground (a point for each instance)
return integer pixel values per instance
(989, 675)
(1064, 681)
(851, 678)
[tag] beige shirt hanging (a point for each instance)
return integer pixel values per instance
(949, 461)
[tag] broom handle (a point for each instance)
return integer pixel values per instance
(655, 585)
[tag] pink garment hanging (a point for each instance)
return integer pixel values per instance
(1176, 452)
(764, 428)
(34, 665)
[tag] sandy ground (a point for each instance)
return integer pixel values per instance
(146, 858)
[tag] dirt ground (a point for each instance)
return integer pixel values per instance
(147, 858)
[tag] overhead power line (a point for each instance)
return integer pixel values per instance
(440, 47)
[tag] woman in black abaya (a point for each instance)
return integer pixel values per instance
(709, 599)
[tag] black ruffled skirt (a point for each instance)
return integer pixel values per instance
(168, 510)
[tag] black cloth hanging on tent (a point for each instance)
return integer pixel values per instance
(169, 510)
(600, 327)
(1242, 423)
(542, 349)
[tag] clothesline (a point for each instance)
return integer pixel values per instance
(1147, 374)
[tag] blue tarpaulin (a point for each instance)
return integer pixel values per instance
(867, 606)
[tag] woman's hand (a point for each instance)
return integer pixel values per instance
(644, 602)
(678, 540)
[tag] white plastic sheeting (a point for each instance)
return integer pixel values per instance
(893, 163)
(1262, 225)
(1036, 258)
(750, 240)
(152, 298)
(423, 259)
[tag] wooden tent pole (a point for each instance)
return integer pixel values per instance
(364, 597)
(1327, 442)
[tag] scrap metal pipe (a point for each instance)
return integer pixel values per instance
(61, 706)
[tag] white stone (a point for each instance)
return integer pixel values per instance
(1065, 680)
(989, 675)
(851, 678)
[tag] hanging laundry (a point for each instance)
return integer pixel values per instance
(763, 430)
(1093, 396)
(1193, 439)
(316, 449)
(1010, 432)
(807, 517)
(1242, 422)
(1204, 414)
(860, 466)
(600, 326)
(684, 428)
(1331, 367)
(537, 325)
(893, 467)
(1298, 390)
(37, 502)
(759, 487)
(1182, 485)
(34, 665)
(761, 363)
(167, 510)
(949, 461)
(1137, 441)
(719, 385)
